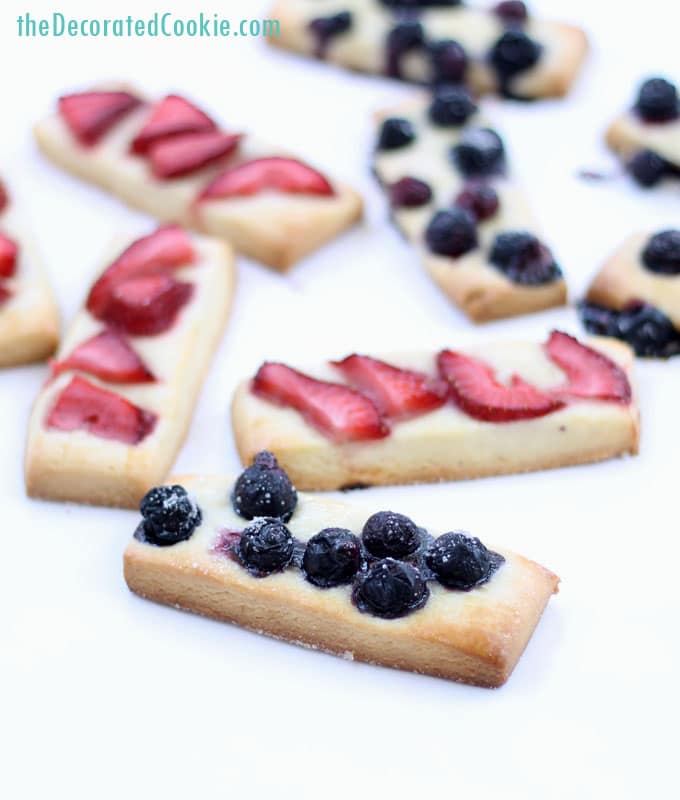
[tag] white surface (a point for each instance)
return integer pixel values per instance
(104, 695)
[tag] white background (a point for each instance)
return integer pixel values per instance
(105, 695)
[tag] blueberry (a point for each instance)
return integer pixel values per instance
(409, 193)
(662, 253)
(522, 258)
(480, 199)
(451, 106)
(459, 561)
(513, 53)
(657, 101)
(395, 133)
(327, 28)
(390, 589)
(266, 546)
(387, 533)
(405, 36)
(264, 490)
(170, 516)
(413, 5)
(647, 168)
(512, 12)
(479, 152)
(452, 233)
(332, 558)
(645, 328)
(449, 61)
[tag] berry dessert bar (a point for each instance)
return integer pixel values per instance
(432, 41)
(29, 320)
(647, 137)
(487, 409)
(172, 160)
(329, 575)
(445, 173)
(636, 295)
(109, 421)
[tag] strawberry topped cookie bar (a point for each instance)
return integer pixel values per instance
(29, 320)
(503, 48)
(446, 175)
(489, 409)
(172, 160)
(109, 421)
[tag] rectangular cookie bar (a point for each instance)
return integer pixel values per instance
(446, 176)
(110, 420)
(171, 160)
(518, 54)
(333, 594)
(29, 319)
(485, 409)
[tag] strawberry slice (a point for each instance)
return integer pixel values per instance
(8, 256)
(398, 393)
(477, 392)
(181, 155)
(340, 413)
(165, 249)
(172, 116)
(109, 356)
(590, 374)
(4, 197)
(146, 305)
(5, 294)
(82, 406)
(90, 115)
(279, 174)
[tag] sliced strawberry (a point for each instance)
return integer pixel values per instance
(82, 406)
(5, 294)
(109, 356)
(8, 256)
(181, 155)
(477, 392)
(147, 305)
(590, 374)
(398, 393)
(90, 115)
(340, 413)
(4, 197)
(163, 250)
(172, 116)
(279, 174)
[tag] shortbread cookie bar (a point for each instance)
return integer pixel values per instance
(29, 320)
(445, 172)
(636, 295)
(647, 137)
(487, 409)
(332, 576)
(501, 49)
(109, 422)
(171, 160)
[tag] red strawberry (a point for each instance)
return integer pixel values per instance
(172, 116)
(163, 250)
(5, 294)
(477, 392)
(182, 155)
(147, 305)
(109, 356)
(4, 197)
(340, 413)
(398, 393)
(280, 174)
(590, 374)
(91, 114)
(82, 406)
(8, 256)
